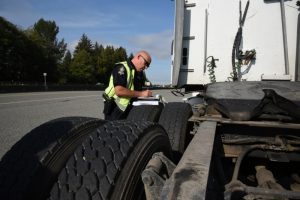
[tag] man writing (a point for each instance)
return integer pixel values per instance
(126, 81)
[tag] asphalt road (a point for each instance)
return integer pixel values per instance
(21, 112)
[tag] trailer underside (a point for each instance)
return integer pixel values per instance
(245, 145)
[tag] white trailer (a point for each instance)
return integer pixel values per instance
(209, 28)
(237, 138)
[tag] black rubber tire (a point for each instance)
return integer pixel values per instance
(145, 113)
(109, 164)
(174, 118)
(30, 168)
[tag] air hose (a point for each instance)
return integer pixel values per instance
(237, 42)
(211, 68)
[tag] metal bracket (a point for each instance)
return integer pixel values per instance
(158, 169)
(190, 178)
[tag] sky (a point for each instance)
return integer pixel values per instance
(132, 24)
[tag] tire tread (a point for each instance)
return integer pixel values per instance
(35, 150)
(145, 113)
(174, 118)
(112, 144)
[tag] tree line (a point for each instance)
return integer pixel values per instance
(26, 54)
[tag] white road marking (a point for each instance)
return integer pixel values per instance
(37, 94)
(39, 100)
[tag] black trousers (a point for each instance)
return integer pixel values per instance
(113, 112)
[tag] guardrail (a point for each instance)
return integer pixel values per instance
(42, 88)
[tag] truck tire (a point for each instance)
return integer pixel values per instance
(145, 113)
(174, 118)
(30, 168)
(108, 165)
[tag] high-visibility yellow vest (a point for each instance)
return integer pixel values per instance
(122, 102)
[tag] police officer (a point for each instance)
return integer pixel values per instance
(126, 81)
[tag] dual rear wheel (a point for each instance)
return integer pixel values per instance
(87, 158)
(108, 165)
(30, 168)
(173, 117)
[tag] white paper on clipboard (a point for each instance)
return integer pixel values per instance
(146, 101)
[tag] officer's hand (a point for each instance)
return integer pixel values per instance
(146, 93)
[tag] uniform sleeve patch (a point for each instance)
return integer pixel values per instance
(121, 71)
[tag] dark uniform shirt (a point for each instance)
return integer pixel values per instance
(119, 73)
(120, 76)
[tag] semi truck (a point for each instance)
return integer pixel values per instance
(235, 136)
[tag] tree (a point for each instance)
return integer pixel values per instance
(106, 61)
(19, 57)
(64, 68)
(67, 59)
(130, 56)
(84, 44)
(98, 49)
(83, 66)
(9, 63)
(106, 64)
(26, 55)
(44, 34)
(120, 54)
(81, 69)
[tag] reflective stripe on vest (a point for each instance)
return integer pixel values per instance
(122, 102)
